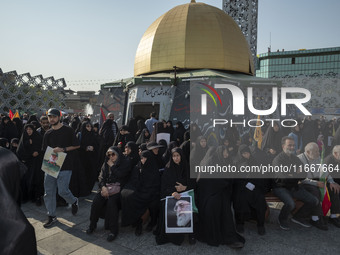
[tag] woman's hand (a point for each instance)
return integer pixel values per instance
(179, 187)
(35, 154)
(104, 192)
(176, 195)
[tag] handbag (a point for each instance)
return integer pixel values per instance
(113, 188)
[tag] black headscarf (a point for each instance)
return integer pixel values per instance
(19, 125)
(272, 139)
(144, 136)
(75, 122)
(162, 150)
(4, 143)
(195, 131)
(8, 130)
(174, 173)
(25, 148)
(87, 138)
(133, 156)
(167, 154)
(132, 125)
(106, 132)
(150, 162)
(170, 129)
(33, 118)
(179, 133)
(198, 152)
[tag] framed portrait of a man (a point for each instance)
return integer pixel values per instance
(178, 215)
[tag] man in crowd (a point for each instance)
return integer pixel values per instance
(60, 138)
(149, 122)
(286, 186)
(332, 162)
(311, 160)
(115, 130)
(45, 125)
(183, 213)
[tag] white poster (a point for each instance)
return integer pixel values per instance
(52, 162)
(178, 215)
(165, 136)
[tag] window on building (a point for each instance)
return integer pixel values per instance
(293, 61)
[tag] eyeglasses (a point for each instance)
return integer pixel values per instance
(111, 154)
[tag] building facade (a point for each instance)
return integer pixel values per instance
(299, 62)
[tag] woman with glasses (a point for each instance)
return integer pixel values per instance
(113, 175)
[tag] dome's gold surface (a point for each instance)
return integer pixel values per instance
(193, 36)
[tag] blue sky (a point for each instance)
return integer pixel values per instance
(91, 42)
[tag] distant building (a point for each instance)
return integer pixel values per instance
(76, 102)
(299, 62)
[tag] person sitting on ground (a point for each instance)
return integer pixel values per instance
(143, 195)
(248, 194)
(153, 147)
(115, 171)
(175, 180)
(216, 222)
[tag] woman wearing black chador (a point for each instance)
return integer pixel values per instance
(216, 224)
(175, 179)
(115, 170)
(29, 152)
(88, 157)
(143, 195)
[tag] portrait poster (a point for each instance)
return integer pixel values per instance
(52, 162)
(178, 215)
(164, 136)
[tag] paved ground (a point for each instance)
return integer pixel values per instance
(69, 237)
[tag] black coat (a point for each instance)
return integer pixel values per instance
(216, 225)
(17, 235)
(146, 190)
(120, 172)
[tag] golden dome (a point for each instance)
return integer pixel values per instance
(193, 36)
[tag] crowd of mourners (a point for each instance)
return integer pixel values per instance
(135, 172)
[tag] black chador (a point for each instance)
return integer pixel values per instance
(88, 153)
(216, 224)
(142, 192)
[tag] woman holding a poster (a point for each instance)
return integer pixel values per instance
(175, 180)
